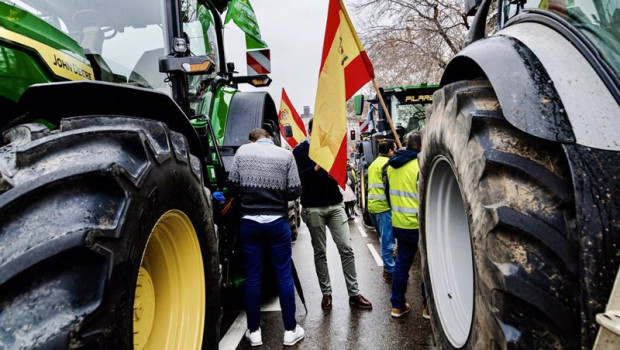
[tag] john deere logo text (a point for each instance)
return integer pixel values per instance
(419, 98)
(71, 67)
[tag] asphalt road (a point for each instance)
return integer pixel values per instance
(344, 327)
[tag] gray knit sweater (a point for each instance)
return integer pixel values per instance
(265, 178)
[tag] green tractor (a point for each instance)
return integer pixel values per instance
(519, 184)
(407, 106)
(118, 119)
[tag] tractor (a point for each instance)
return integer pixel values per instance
(519, 185)
(407, 106)
(118, 121)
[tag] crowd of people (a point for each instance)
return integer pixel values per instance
(265, 177)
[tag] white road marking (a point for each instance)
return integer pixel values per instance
(235, 333)
(360, 228)
(375, 255)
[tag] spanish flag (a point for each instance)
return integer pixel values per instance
(288, 117)
(345, 68)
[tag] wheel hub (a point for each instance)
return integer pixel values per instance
(449, 252)
(169, 303)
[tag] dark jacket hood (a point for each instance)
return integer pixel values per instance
(402, 157)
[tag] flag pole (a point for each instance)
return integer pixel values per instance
(387, 113)
(374, 82)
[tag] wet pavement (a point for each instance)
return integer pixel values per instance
(343, 327)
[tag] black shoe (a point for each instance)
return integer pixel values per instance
(326, 303)
(360, 302)
(387, 277)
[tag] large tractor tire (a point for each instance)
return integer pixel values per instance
(107, 239)
(498, 249)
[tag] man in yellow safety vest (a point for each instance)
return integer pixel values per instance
(402, 175)
(379, 208)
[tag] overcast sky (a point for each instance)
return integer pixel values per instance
(294, 31)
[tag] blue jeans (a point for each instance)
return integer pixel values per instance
(276, 237)
(407, 247)
(373, 220)
(384, 226)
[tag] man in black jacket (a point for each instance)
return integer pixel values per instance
(265, 177)
(322, 207)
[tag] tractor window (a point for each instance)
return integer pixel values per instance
(412, 117)
(140, 65)
(199, 27)
(128, 35)
(409, 111)
(598, 20)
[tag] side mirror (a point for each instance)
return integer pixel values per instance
(359, 104)
(288, 130)
(353, 135)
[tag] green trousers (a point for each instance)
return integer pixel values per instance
(334, 218)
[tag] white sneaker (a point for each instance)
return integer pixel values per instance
(292, 337)
(255, 338)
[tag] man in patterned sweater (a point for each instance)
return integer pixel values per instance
(264, 177)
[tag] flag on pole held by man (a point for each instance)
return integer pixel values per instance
(345, 68)
(289, 118)
(242, 13)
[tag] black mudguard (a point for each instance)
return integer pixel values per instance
(250, 110)
(527, 95)
(55, 101)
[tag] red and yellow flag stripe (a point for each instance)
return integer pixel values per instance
(345, 68)
(289, 116)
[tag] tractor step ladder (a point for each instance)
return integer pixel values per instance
(609, 333)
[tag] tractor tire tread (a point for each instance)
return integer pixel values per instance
(517, 190)
(60, 227)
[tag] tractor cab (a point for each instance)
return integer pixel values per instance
(124, 41)
(407, 107)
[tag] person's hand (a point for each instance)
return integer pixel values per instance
(317, 167)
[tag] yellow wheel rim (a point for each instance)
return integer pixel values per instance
(169, 306)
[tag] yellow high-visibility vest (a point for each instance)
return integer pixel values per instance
(403, 194)
(377, 200)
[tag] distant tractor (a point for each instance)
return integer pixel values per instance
(118, 121)
(407, 106)
(519, 182)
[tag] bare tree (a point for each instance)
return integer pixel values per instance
(410, 41)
